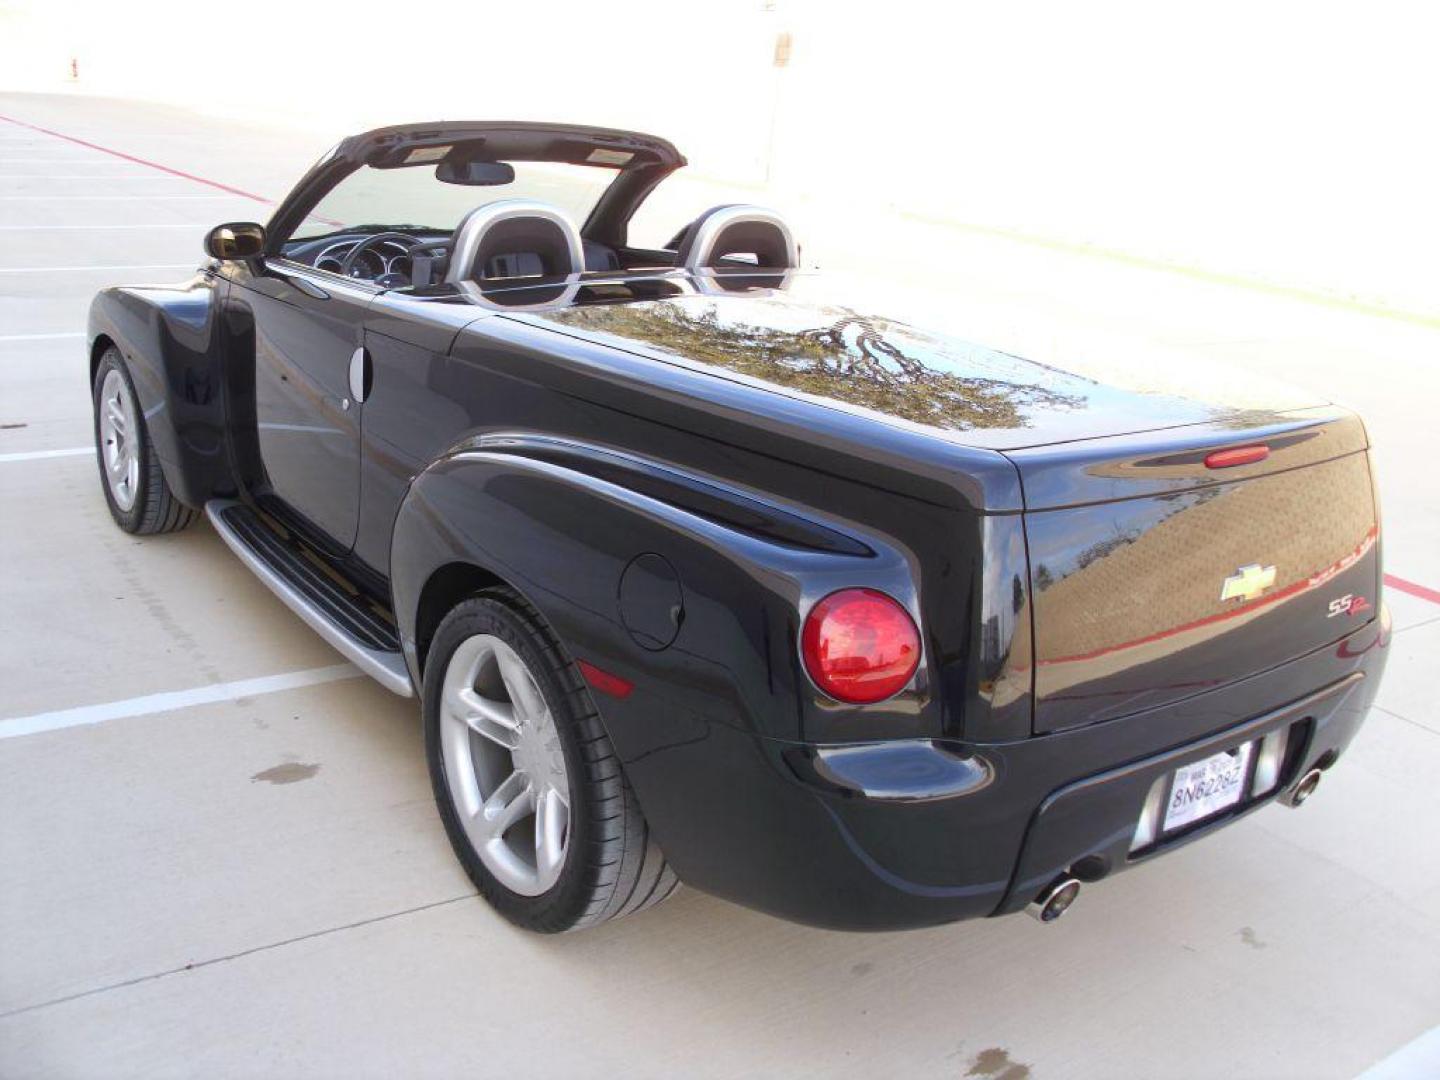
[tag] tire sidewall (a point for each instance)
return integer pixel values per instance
(129, 520)
(563, 903)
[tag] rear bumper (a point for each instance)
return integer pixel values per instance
(884, 839)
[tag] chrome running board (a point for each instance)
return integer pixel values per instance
(346, 623)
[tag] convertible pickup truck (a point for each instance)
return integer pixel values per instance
(704, 571)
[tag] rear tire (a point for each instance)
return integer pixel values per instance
(140, 500)
(488, 744)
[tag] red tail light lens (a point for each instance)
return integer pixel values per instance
(860, 646)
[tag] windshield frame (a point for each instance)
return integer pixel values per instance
(648, 160)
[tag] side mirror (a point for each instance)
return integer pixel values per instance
(235, 240)
(475, 173)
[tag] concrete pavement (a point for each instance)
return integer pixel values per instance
(256, 884)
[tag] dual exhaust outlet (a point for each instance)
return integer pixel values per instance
(1301, 790)
(1060, 895)
(1055, 899)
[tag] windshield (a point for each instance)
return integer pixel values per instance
(413, 200)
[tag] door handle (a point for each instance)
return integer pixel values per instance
(360, 374)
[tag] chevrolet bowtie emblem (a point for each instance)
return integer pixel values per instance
(1248, 582)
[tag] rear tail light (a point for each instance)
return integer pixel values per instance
(860, 646)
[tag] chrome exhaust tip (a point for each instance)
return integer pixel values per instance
(1055, 899)
(1302, 790)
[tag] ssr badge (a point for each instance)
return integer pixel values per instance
(1349, 604)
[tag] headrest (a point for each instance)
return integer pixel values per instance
(734, 230)
(488, 240)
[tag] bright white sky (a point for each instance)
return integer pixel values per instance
(1290, 142)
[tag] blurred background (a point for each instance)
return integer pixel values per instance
(1285, 145)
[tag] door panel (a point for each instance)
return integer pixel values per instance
(306, 330)
(413, 412)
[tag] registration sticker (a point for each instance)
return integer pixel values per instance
(423, 154)
(609, 157)
(1204, 788)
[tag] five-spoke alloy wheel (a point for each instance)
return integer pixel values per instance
(119, 430)
(505, 765)
(139, 498)
(528, 785)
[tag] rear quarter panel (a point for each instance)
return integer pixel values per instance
(562, 527)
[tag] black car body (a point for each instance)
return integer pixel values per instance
(1112, 579)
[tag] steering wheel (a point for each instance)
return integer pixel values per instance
(348, 263)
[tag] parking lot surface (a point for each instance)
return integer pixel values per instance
(218, 850)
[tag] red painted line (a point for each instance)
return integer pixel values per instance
(1401, 585)
(139, 161)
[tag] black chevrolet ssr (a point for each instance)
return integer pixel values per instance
(704, 573)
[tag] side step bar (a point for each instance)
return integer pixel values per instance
(345, 622)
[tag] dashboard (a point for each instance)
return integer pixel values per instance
(388, 261)
(376, 261)
(389, 257)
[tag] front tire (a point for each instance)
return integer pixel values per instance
(140, 500)
(528, 786)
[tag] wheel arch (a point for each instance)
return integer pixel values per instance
(171, 341)
(98, 348)
(447, 586)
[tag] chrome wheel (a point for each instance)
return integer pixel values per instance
(504, 765)
(119, 439)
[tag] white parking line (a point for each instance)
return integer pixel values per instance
(77, 269)
(1419, 1057)
(40, 455)
(42, 337)
(175, 699)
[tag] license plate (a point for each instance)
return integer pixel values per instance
(1204, 788)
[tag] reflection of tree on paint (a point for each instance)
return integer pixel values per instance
(1102, 548)
(851, 360)
(1163, 508)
